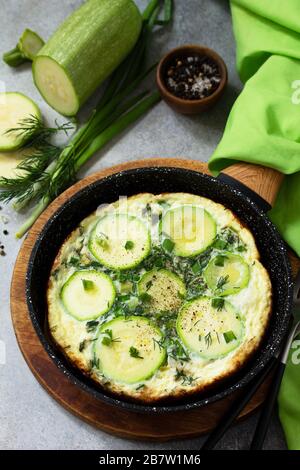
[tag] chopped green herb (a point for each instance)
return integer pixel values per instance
(220, 244)
(218, 304)
(222, 281)
(149, 285)
(229, 336)
(145, 297)
(157, 342)
(108, 338)
(87, 284)
(168, 245)
(74, 261)
(93, 264)
(208, 340)
(82, 345)
(135, 353)
(91, 325)
(241, 248)
(159, 263)
(196, 267)
(124, 298)
(140, 387)
(219, 261)
(185, 379)
(129, 245)
(177, 351)
(94, 363)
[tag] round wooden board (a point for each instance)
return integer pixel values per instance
(116, 421)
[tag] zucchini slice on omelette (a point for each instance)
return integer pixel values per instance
(159, 296)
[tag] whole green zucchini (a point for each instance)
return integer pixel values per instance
(84, 51)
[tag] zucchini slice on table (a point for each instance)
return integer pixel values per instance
(9, 162)
(88, 294)
(163, 290)
(210, 327)
(84, 51)
(14, 108)
(120, 241)
(227, 274)
(191, 230)
(128, 349)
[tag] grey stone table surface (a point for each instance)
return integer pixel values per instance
(29, 417)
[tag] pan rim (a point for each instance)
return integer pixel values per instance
(95, 391)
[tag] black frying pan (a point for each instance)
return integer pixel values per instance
(158, 180)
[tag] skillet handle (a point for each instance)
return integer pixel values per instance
(262, 180)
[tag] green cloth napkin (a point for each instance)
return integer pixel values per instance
(264, 128)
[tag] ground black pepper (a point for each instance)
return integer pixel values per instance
(193, 77)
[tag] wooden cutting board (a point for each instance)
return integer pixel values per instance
(120, 422)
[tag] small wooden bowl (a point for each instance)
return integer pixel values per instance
(185, 106)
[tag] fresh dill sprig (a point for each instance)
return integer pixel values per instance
(222, 281)
(31, 180)
(34, 132)
(23, 187)
(185, 379)
(208, 340)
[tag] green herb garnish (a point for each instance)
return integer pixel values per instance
(135, 353)
(222, 281)
(94, 363)
(87, 284)
(157, 342)
(219, 260)
(196, 267)
(220, 244)
(185, 379)
(208, 340)
(108, 338)
(177, 351)
(218, 304)
(91, 325)
(140, 387)
(168, 245)
(129, 245)
(149, 285)
(74, 262)
(82, 345)
(145, 297)
(229, 336)
(241, 248)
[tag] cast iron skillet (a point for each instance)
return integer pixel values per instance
(159, 180)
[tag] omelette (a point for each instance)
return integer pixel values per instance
(157, 297)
